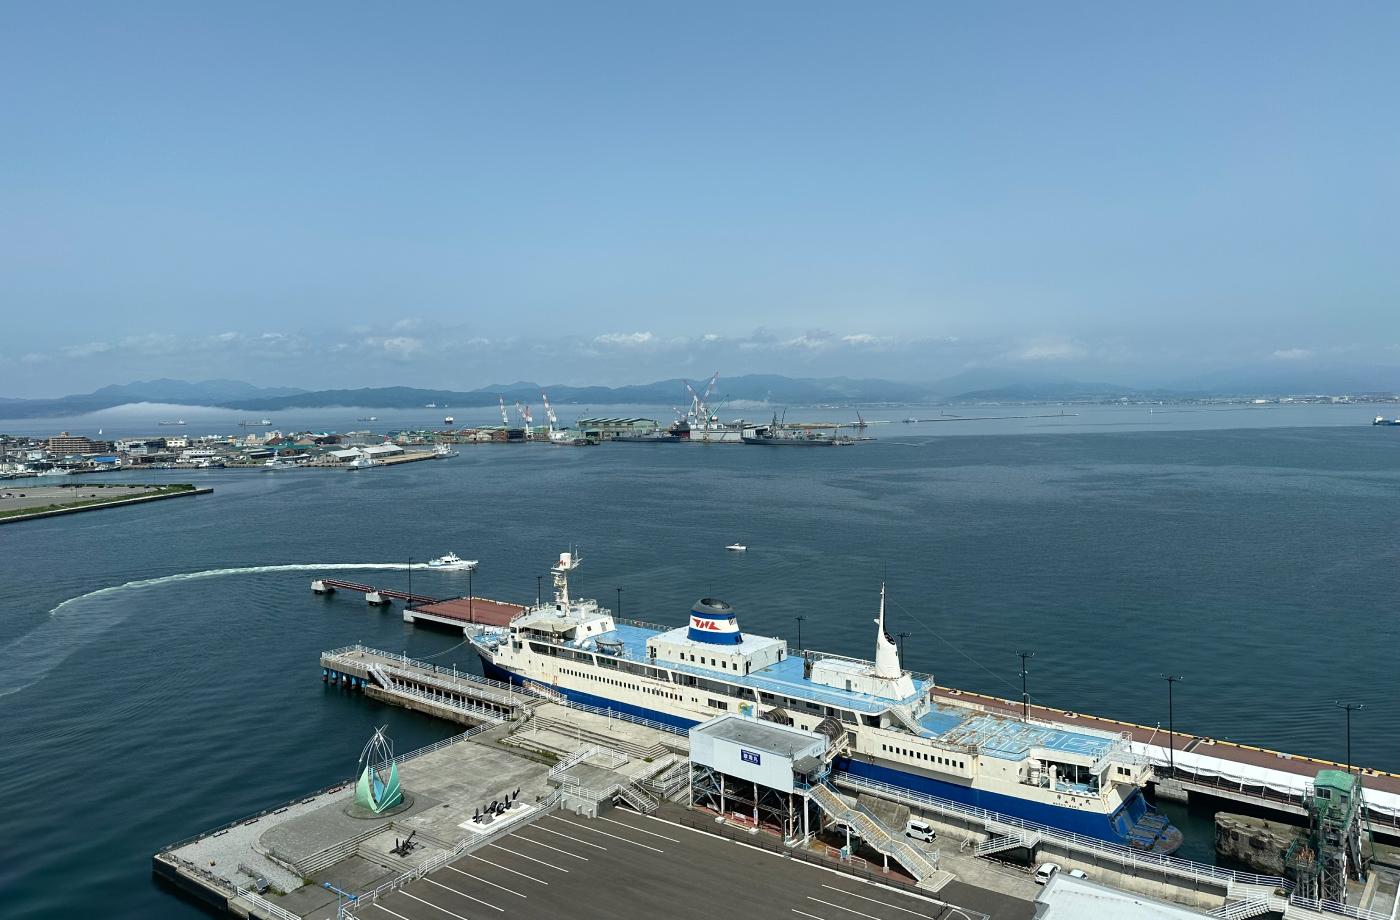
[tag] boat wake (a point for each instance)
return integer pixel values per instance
(33, 655)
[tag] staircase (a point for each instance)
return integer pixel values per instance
(380, 677)
(655, 751)
(1250, 907)
(1027, 839)
(905, 716)
(874, 832)
(639, 800)
(544, 690)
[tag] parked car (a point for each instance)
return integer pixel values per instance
(919, 830)
(1078, 873)
(1044, 871)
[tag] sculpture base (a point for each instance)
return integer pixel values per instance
(359, 811)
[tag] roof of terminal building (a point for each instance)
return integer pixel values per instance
(1069, 898)
(765, 736)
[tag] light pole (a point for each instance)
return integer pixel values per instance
(1025, 697)
(619, 603)
(539, 592)
(902, 637)
(409, 602)
(1171, 731)
(471, 614)
(799, 620)
(1350, 708)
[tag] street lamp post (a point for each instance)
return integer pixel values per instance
(1350, 708)
(619, 603)
(1171, 729)
(1025, 697)
(471, 614)
(539, 591)
(799, 620)
(409, 602)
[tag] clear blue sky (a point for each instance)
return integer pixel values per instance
(451, 194)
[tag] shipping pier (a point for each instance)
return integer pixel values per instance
(465, 613)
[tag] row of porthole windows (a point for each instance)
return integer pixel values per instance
(618, 683)
(920, 755)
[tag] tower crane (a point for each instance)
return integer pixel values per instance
(505, 421)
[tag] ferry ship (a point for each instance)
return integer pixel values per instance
(901, 729)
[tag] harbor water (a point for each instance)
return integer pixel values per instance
(160, 672)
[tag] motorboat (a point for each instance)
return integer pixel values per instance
(361, 463)
(444, 452)
(451, 561)
(737, 548)
(449, 420)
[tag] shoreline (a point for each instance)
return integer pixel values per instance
(99, 505)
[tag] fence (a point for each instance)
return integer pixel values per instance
(1124, 855)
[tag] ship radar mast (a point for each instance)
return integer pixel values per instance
(566, 564)
(887, 665)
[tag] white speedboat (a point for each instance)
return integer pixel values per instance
(444, 452)
(56, 471)
(361, 463)
(737, 548)
(451, 561)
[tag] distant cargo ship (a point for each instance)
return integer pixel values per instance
(898, 729)
(265, 423)
(1382, 420)
(775, 435)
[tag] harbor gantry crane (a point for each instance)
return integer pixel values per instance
(549, 413)
(700, 409)
(505, 420)
(525, 417)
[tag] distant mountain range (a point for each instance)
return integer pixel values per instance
(981, 385)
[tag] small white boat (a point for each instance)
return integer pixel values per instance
(451, 561)
(444, 452)
(737, 548)
(56, 471)
(448, 421)
(361, 463)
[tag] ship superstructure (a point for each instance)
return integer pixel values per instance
(901, 729)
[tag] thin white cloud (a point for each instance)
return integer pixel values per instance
(624, 338)
(35, 357)
(1292, 354)
(1050, 351)
(86, 350)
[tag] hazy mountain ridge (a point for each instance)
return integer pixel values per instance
(978, 385)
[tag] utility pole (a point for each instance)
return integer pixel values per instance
(1171, 730)
(902, 637)
(539, 592)
(799, 620)
(471, 614)
(619, 603)
(1025, 697)
(409, 602)
(1350, 708)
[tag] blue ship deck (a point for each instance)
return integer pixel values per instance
(995, 735)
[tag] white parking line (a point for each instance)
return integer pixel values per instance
(839, 907)
(388, 911)
(805, 914)
(532, 859)
(485, 882)
(878, 901)
(462, 894)
(637, 829)
(431, 904)
(595, 846)
(519, 836)
(606, 834)
(508, 869)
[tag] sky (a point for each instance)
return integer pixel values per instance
(458, 194)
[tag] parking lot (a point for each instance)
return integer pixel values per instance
(628, 865)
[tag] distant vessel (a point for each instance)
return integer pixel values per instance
(56, 471)
(775, 435)
(275, 464)
(444, 452)
(1382, 420)
(265, 423)
(181, 422)
(737, 548)
(448, 421)
(910, 420)
(451, 561)
(675, 434)
(361, 463)
(431, 406)
(370, 419)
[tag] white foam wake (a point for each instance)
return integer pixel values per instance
(33, 655)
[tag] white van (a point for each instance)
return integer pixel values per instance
(1044, 871)
(919, 830)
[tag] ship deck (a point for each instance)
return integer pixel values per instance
(993, 733)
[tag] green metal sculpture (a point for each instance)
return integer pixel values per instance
(377, 789)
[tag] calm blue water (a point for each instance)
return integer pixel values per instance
(1260, 563)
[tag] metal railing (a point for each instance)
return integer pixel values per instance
(477, 712)
(1333, 907)
(261, 903)
(573, 760)
(1117, 852)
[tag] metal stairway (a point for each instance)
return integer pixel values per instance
(634, 796)
(905, 716)
(380, 676)
(1027, 839)
(873, 831)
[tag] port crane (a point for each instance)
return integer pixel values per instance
(549, 413)
(525, 416)
(505, 420)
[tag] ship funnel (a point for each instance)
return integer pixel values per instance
(887, 664)
(713, 621)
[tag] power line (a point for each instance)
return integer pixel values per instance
(955, 648)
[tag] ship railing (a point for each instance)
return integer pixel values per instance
(1122, 854)
(643, 625)
(431, 666)
(624, 716)
(466, 845)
